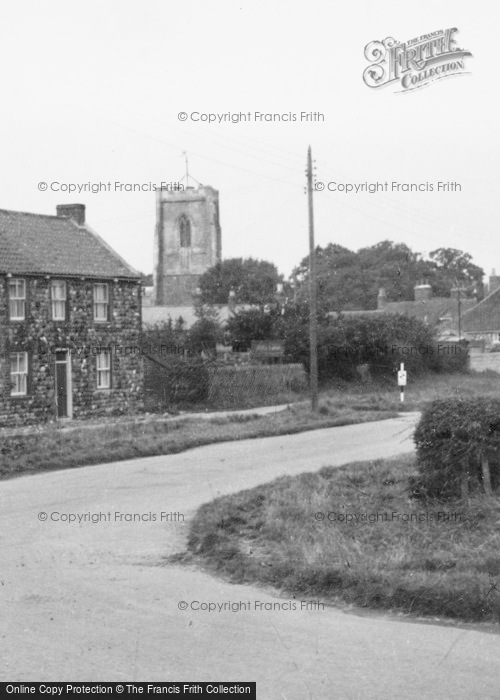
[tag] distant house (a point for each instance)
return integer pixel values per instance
(441, 313)
(481, 324)
(70, 320)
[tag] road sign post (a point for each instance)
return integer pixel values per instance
(402, 381)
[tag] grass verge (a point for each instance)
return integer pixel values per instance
(272, 535)
(383, 393)
(53, 448)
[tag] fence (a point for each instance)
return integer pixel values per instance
(179, 382)
(229, 385)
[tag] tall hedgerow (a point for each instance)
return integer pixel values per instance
(458, 448)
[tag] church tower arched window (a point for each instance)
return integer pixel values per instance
(185, 232)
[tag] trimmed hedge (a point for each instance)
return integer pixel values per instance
(458, 448)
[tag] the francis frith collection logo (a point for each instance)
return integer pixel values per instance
(416, 63)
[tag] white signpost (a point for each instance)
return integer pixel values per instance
(402, 380)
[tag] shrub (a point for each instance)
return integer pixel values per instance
(448, 356)
(176, 381)
(458, 447)
(382, 341)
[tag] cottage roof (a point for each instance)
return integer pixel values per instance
(485, 316)
(432, 311)
(56, 245)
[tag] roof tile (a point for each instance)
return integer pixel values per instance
(40, 244)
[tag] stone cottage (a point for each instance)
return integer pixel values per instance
(70, 321)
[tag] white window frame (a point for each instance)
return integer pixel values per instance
(101, 303)
(17, 301)
(58, 303)
(19, 377)
(103, 368)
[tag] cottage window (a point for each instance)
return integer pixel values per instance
(19, 373)
(17, 299)
(101, 302)
(58, 300)
(103, 360)
(185, 232)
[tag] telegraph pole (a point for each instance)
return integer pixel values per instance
(313, 316)
(459, 314)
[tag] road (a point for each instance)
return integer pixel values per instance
(96, 601)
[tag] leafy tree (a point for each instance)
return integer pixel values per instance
(252, 281)
(454, 268)
(203, 336)
(349, 280)
(255, 324)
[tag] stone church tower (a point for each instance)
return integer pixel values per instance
(187, 242)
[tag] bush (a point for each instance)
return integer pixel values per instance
(458, 448)
(177, 381)
(448, 356)
(382, 341)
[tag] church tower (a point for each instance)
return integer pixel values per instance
(187, 242)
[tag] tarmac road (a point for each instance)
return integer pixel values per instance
(94, 601)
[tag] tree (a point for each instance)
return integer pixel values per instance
(203, 336)
(454, 268)
(350, 280)
(254, 324)
(252, 281)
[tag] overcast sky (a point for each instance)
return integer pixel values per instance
(91, 92)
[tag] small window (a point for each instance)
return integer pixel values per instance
(19, 373)
(17, 299)
(103, 360)
(58, 300)
(101, 302)
(185, 232)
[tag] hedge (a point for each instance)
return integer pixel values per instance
(458, 448)
(381, 341)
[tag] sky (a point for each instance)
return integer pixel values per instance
(92, 92)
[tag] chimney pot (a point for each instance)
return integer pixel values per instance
(76, 212)
(381, 298)
(423, 292)
(493, 282)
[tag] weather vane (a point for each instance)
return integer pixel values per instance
(187, 175)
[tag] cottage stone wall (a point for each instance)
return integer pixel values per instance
(40, 336)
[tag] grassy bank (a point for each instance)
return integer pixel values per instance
(446, 567)
(383, 394)
(54, 448)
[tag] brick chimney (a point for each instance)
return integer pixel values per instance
(76, 212)
(381, 299)
(423, 292)
(493, 282)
